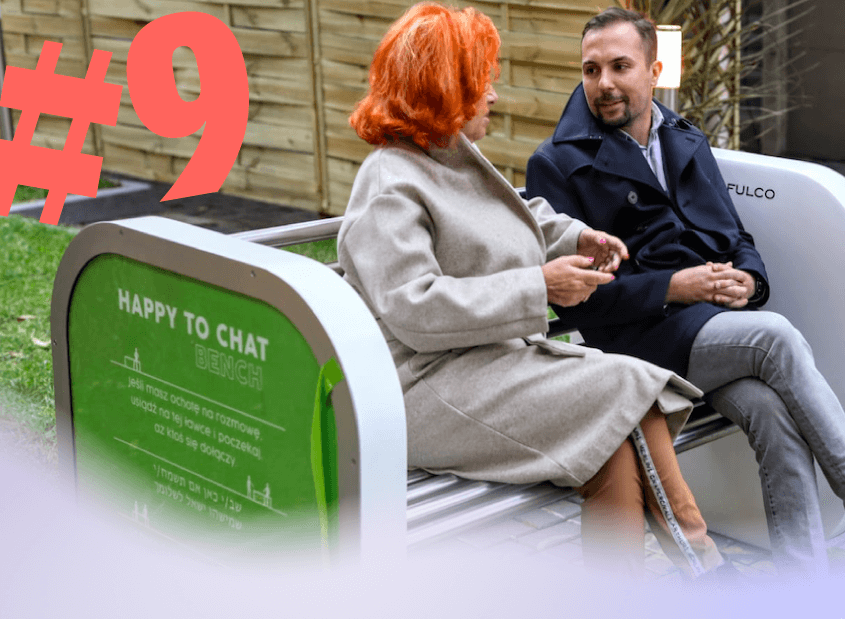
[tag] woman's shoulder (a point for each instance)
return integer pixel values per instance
(396, 167)
(397, 154)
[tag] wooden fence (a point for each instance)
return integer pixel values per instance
(307, 64)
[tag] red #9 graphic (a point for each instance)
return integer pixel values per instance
(221, 110)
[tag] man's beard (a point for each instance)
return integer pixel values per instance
(622, 121)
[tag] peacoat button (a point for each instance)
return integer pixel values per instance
(632, 197)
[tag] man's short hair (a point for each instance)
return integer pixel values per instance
(645, 27)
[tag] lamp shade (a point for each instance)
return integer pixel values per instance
(669, 40)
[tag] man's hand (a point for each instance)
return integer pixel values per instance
(570, 280)
(713, 282)
(607, 250)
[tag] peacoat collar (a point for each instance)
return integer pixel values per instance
(614, 154)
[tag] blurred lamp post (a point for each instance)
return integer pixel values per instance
(669, 40)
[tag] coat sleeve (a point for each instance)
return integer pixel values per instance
(387, 251)
(629, 298)
(560, 231)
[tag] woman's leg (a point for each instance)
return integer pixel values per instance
(612, 521)
(680, 498)
(612, 516)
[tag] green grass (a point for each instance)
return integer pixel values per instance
(321, 251)
(28, 264)
(30, 256)
(26, 194)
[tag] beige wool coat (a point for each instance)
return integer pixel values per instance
(448, 258)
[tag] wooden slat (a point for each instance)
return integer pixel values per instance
(288, 138)
(290, 19)
(294, 89)
(342, 171)
(15, 43)
(543, 20)
(295, 138)
(281, 197)
(281, 115)
(115, 27)
(48, 26)
(342, 97)
(135, 137)
(536, 104)
(271, 42)
(351, 148)
(18, 44)
(137, 163)
(276, 163)
(280, 4)
(150, 10)
(530, 130)
(73, 68)
(384, 9)
(11, 7)
(244, 178)
(353, 25)
(66, 8)
(278, 67)
(562, 50)
(562, 80)
(506, 153)
(346, 74)
(578, 6)
(347, 49)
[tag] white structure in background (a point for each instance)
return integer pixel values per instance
(669, 44)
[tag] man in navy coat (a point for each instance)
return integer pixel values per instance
(623, 163)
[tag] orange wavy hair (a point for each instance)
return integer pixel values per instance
(427, 76)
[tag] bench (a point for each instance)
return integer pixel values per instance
(439, 506)
(765, 191)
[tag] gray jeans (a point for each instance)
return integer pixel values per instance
(758, 371)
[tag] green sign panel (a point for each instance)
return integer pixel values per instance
(199, 412)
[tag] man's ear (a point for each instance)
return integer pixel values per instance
(656, 70)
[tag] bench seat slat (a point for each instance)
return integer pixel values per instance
(502, 501)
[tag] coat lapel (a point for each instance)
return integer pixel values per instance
(679, 147)
(622, 157)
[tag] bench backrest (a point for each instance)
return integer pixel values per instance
(796, 212)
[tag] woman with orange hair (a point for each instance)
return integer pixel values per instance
(458, 270)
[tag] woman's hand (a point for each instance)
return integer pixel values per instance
(607, 250)
(571, 280)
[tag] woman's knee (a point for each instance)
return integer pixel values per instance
(617, 484)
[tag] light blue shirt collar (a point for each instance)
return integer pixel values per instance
(653, 152)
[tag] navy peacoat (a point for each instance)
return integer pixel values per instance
(600, 176)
